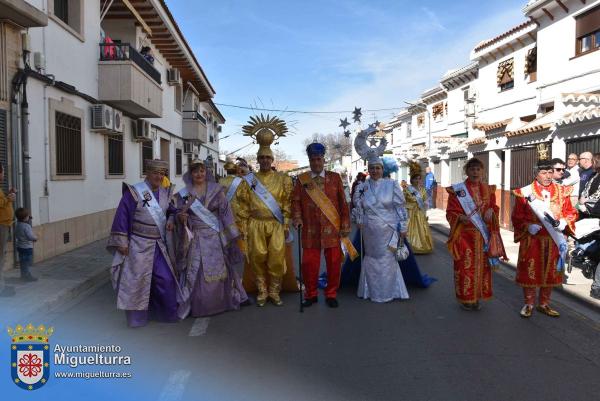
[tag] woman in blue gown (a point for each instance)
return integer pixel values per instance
(410, 269)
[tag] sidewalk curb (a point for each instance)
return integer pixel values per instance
(88, 285)
(572, 295)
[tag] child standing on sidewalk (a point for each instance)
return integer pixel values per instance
(24, 238)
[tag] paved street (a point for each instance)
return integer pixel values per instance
(425, 348)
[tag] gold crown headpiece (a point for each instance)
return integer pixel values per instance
(414, 169)
(265, 130)
(30, 333)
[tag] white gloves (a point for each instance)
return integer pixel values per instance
(562, 225)
(534, 229)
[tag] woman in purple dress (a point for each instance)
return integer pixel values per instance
(206, 249)
(142, 272)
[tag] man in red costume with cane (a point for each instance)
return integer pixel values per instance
(543, 214)
(319, 205)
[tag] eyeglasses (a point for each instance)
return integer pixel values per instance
(559, 169)
(573, 158)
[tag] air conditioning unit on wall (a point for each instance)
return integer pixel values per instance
(471, 94)
(188, 147)
(140, 130)
(118, 121)
(102, 117)
(173, 76)
(470, 110)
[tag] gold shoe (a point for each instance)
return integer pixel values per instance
(548, 311)
(526, 311)
(262, 295)
(276, 300)
(274, 290)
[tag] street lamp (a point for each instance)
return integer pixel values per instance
(422, 106)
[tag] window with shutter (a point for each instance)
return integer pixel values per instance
(115, 155)
(505, 77)
(587, 31)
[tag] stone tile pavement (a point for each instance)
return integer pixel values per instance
(60, 279)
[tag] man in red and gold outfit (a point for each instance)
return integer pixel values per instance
(542, 215)
(319, 205)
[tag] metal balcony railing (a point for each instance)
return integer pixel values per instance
(124, 51)
(193, 115)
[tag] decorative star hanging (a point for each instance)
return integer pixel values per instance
(373, 142)
(347, 134)
(357, 114)
(344, 123)
(377, 124)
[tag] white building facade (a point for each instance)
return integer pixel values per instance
(98, 108)
(530, 92)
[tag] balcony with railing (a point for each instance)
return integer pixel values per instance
(194, 126)
(129, 81)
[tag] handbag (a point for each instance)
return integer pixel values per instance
(495, 246)
(402, 252)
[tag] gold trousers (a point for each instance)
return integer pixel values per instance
(266, 248)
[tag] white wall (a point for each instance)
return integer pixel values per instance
(556, 56)
(67, 57)
(76, 63)
(519, 101)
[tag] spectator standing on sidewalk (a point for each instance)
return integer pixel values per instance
(558, 170)
(6, 220)
(573, 178)
(24, 239)
(589, 207)
(586, 170)
(430, 185)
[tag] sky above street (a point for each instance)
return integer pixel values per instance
(331, 55)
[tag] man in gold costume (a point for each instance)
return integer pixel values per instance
(265, 211)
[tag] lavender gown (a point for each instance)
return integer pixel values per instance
(209, 283)
(145, 282)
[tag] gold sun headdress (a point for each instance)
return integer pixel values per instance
(415, 169)
(265, 130)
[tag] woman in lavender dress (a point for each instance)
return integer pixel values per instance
(206, 247)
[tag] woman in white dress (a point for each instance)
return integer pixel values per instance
(380, 212)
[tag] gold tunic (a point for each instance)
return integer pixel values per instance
(265, 235)
(419, 233)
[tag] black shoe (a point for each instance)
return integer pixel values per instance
(247, 302)
(309, 301)
(29, 278)
(332, 302)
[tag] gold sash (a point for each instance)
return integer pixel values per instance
(324, 203)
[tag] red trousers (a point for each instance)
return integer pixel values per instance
(544, 298)
(311, 264)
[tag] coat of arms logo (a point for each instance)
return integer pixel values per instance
(30, 355)
(543, 151)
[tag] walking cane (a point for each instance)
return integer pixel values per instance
(300, 268)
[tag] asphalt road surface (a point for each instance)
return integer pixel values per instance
(424, 348)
